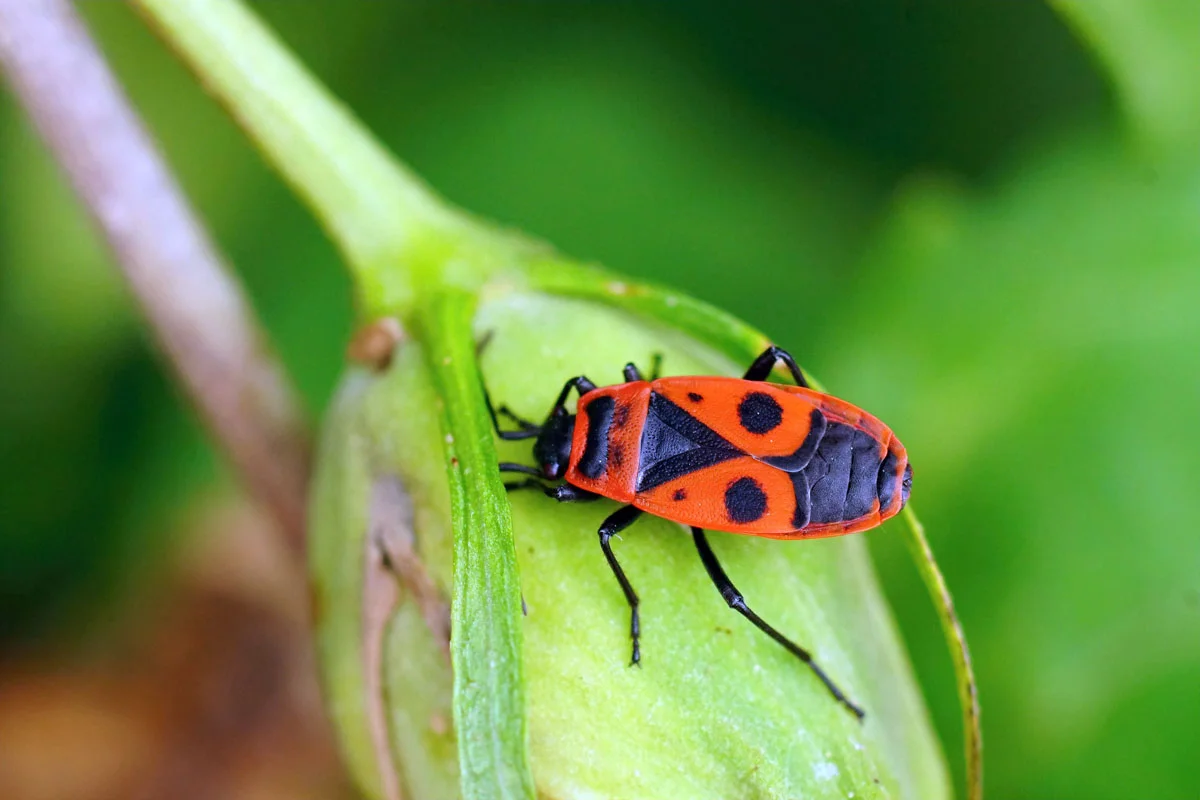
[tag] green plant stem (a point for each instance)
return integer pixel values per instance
(375, 209)
(968, 695)
(485, 645)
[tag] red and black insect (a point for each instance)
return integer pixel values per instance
(743, 456)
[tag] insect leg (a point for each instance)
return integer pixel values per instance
(527, 433)
(528, 483)
(508, 466)
(528, 429)
(763, 365)
(618, 521)
(566, 493)
(632, 373)
(735, 600)
(563, 492)
(505, 411)
(579, 384)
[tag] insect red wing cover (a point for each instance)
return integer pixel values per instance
(605, 445)
(740, 495)
(758, 418)
(790, 462)
(741, 456)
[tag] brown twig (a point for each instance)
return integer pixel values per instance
(195, 307)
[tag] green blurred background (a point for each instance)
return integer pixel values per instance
(955, 214)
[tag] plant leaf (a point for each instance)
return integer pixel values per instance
(485, 642)
(1150, 48)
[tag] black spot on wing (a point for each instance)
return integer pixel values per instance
(745, 501)
(695, 397)
(759, 413)
(799, 459)
(865, 457)
(828, 473)
(594, 460)
(680, 494)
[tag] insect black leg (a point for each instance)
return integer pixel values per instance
(735, 600)
(763, 365)
(655, 366)
(632, 373)
(505, 411)
(527, 433)
(566, 493)
(580, 384)
(528, 429)
(508, 466)
(482, 343)
(618, 521)
(529, 483)
(563, 492)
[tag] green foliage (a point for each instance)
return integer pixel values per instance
(406, 251)
(1044, 387)
(929, 206)
(1150, 48)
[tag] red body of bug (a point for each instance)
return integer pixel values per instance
(739, 456)
(743, 456)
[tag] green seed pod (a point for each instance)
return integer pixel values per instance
(716, 710)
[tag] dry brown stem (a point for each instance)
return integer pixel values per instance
(195, 307)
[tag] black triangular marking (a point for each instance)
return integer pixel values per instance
(661, 441)
(674, 444)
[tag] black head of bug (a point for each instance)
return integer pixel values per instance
(552, 450)
(905, 485)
